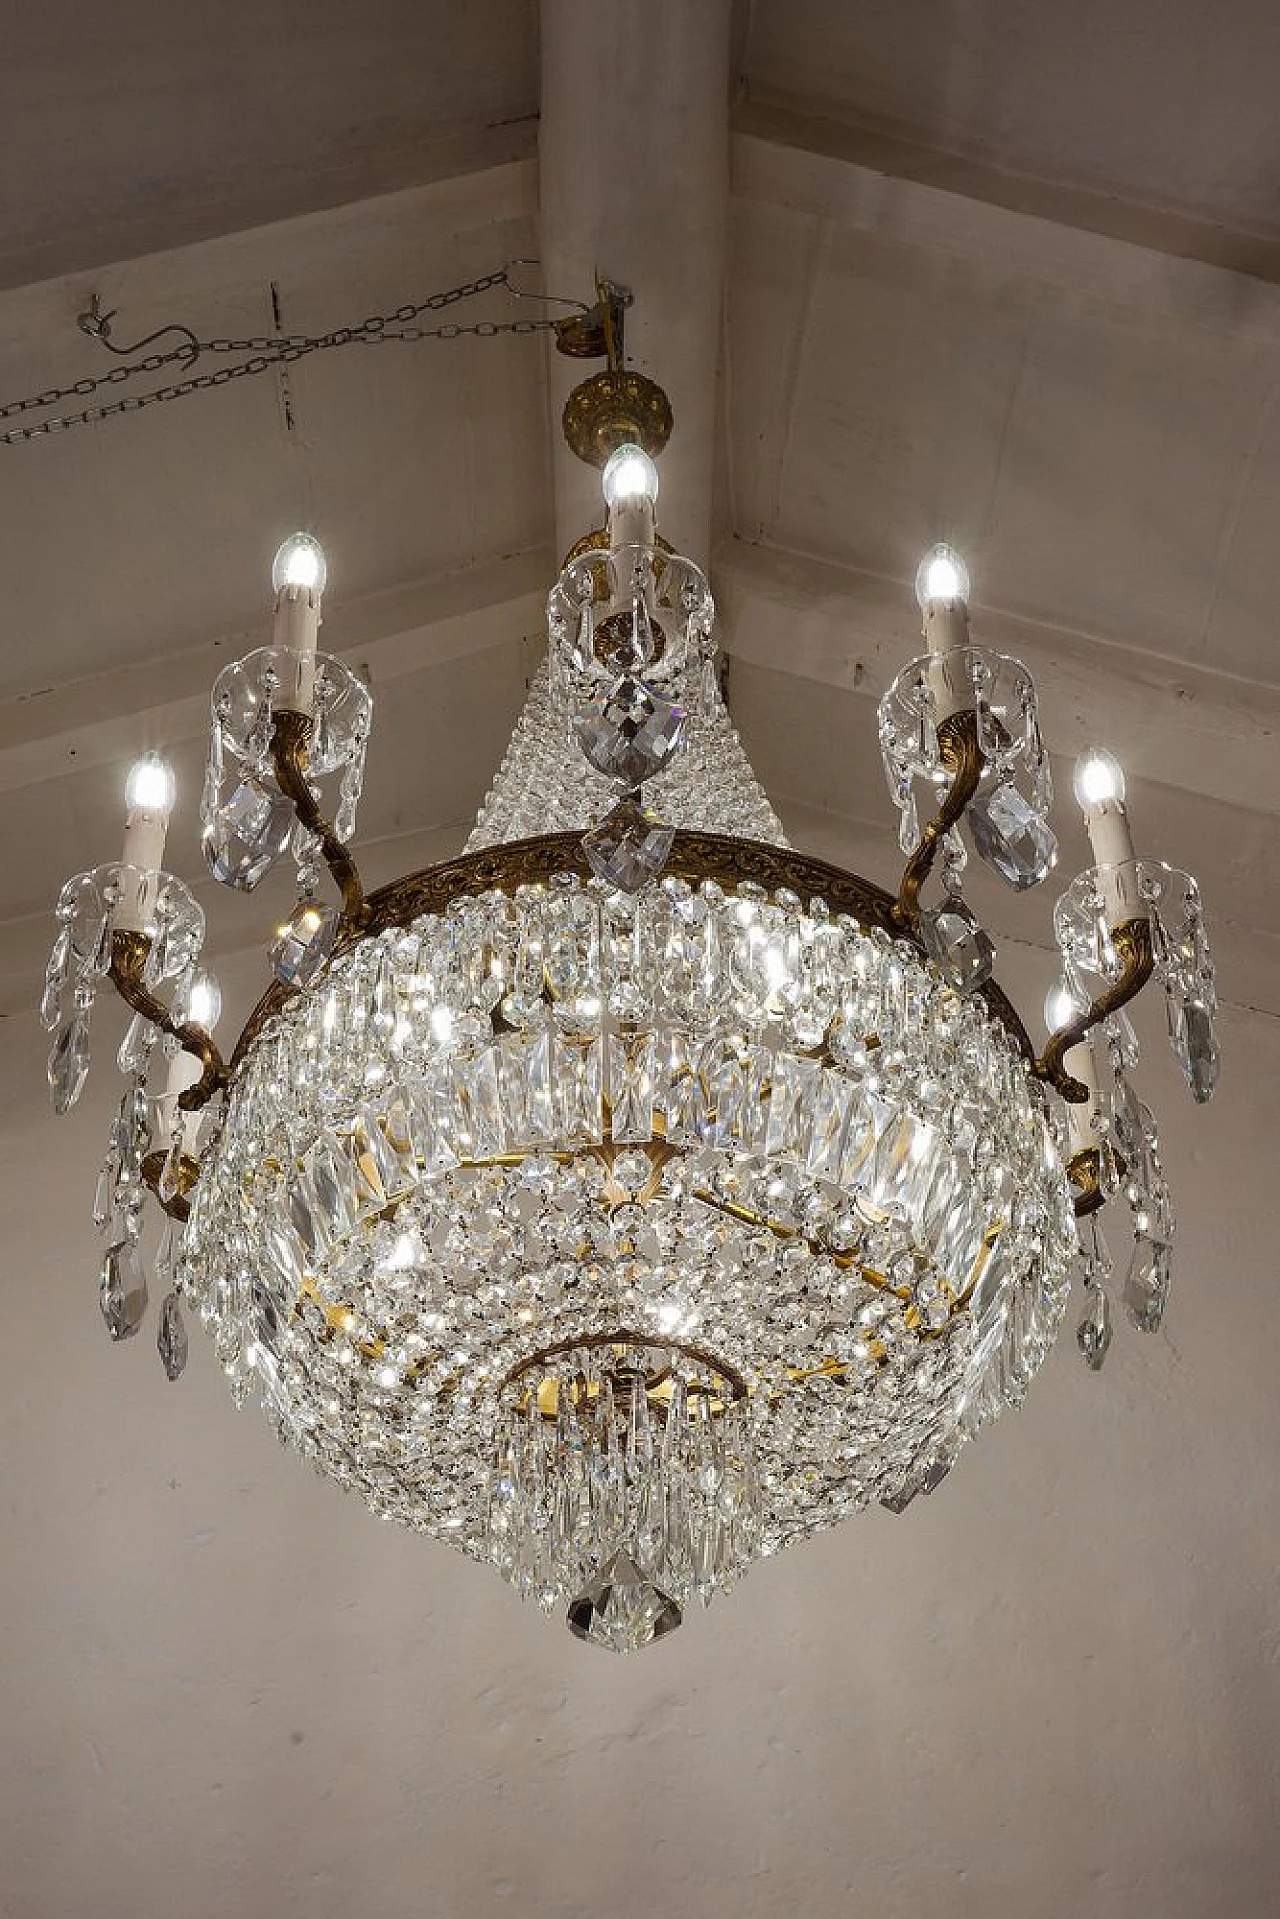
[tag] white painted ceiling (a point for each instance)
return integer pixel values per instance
(995, 271)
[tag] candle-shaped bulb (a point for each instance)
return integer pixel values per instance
(1060, 1007)
(942, 578)
(629, 475)
(150, 787)
(202, 1001)
(300, 562)
(1098, 780)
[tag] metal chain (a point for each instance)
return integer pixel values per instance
(265, 351)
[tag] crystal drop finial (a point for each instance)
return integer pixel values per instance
(248, 834)
(1010, 836)
(1195, 1046)
(632, 734)
(171, 1337)
(621, 1609)
(958, 945)
(305, 943)
(122, 1290)
(629, 847)
(1146, 1286)
(1093, 1334)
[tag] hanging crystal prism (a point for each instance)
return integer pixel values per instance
(1093, 1334)
(69, 1057)
(1011, 837)
(1146, 1286)
(249, 833)
(1184, 966)
(171, 1337)
(630, 846)
(632, 734)
(122, 1294)
(957, 944)
(303, 947)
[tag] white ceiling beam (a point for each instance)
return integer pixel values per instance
(162, 228)
(835, 171)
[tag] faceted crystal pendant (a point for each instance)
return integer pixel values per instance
(1093, 1334)
(69, 1063)
(248, 833)
(304, 944)
(1011, 837)
(171, 1337)
(629, 847)
(632, 734)
(1146, 1286)
(1195, 1045)
(123, 1290)
(621, 1609)
(959, 947)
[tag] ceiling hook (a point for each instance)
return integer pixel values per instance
(97, 325)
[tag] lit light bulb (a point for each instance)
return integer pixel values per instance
(1060, 1007)
(150, 787)
(629, 474)
(204, 1001)
(942, 576)
(300, 562)
(1098, 779)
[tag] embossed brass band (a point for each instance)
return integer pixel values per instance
(129, 952)
(694, 857)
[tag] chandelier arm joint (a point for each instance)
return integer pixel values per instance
(290, 735)
(129, 952)
(960, 752)
(1132, 941)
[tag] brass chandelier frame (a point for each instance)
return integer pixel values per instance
(614, 407)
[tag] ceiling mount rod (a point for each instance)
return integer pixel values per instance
(644, 212)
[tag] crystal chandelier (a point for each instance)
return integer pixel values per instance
(632, 1196)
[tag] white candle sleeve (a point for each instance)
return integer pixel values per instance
(184, 1070)
(141, 858)
(297, 624)
(1112, 843)
(1080, 1063)
(946, 631)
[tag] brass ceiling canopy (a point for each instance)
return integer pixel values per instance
(618, 407)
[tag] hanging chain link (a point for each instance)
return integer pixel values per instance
(264, 351)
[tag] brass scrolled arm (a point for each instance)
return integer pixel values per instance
(1084, 1170)
(129, 953)
(961, 754)
(290, 735)
(1132, 941)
